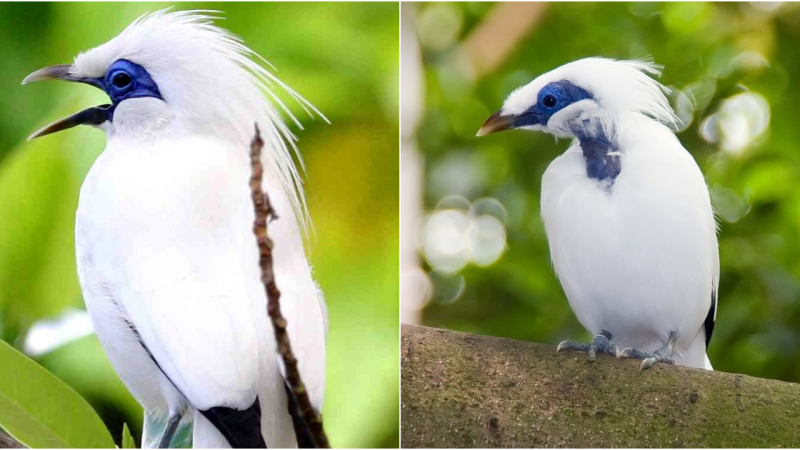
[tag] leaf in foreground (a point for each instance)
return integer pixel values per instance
(127, 438)
(41, 411)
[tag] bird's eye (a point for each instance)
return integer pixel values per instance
(121, 80)
(549, 101)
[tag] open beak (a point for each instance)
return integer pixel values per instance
(93, 116)
(59, 72)
(496, 122)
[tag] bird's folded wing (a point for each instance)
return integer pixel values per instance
(302, 302)
(193, 311)
(306, 318)
(190, 269)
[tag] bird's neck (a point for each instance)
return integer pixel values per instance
(600, 150)
(142, 120)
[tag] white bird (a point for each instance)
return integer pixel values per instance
(626, 210)
(167, 260)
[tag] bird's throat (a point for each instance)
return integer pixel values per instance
(601, 154)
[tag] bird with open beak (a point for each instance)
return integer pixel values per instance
(96, 115)
(166, 257)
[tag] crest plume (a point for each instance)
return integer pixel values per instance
(619, 86)
(214, 84)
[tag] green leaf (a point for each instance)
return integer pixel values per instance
(127, 439)
(41, 411)
(39, 186)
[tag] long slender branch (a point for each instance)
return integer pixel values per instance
(264, 213)
(6, 441)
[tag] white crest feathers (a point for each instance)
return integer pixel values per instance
(213, 83)
(618, 86)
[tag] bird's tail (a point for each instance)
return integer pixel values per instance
(276, 423)
(707, 365)
(206, 434)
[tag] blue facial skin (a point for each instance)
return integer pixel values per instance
(124, 80)
(595, 144)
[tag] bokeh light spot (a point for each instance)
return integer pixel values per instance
(458, 233)
(728, 205)
(739, 123)
(439, 25)
(487, 240)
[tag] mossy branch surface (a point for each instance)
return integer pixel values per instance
(264, 213)
(465, 390)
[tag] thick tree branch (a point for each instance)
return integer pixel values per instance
(464, 390)
(264, 213)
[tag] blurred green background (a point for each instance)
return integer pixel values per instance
(343, 57)
(735, 73)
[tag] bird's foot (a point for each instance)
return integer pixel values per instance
(601, 343)
(169, 431)
(662, 355)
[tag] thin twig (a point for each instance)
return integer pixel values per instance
(6, 441)
(264, 213)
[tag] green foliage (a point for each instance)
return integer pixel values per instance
(36, 260)
(342, 57)
(83, 365)
(711, 53)
(41, 411)
(127, 439)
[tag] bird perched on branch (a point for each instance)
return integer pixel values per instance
(626, 210)
(167, 259)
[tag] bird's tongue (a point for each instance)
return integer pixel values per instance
(95, 115)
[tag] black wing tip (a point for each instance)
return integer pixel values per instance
(709, 323)
(242, 428)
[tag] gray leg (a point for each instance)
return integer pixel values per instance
(601, 343)
(662, 355)
(169, 431)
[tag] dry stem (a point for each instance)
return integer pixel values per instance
(6, 441)
(264, 213)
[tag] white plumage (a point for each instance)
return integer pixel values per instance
(626, 209)
(166, 256)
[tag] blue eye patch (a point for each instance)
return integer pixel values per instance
(552, 98)
(124, 80)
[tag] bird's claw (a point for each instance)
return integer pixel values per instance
(648, 359)
(662, 355)
(648, 363)
(599, 343)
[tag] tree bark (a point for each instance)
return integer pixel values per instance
(465, 390)
(6, 441)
